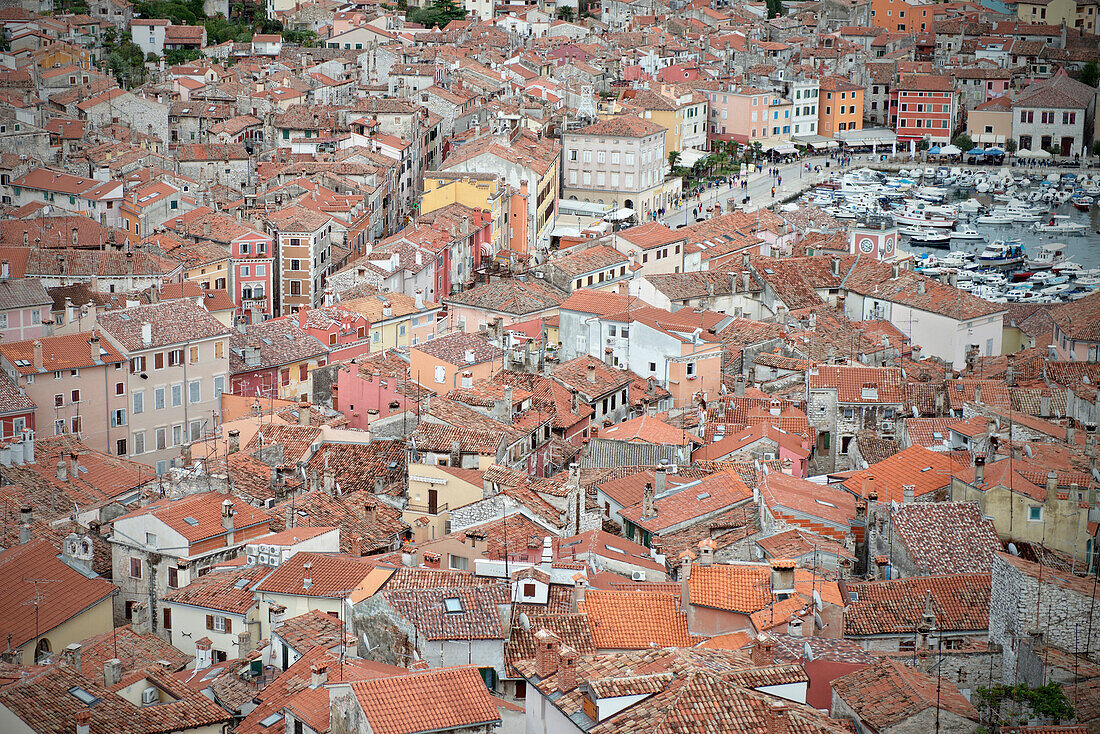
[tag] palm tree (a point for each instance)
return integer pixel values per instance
(673, 159)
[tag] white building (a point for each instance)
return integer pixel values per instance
(803, 96)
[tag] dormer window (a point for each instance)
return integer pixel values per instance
(452, 605)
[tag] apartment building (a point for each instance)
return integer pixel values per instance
(303, 241)
(100, 200)
(78, 383)
(178, 368)
(842, 106)
(923, 107)
(1052, 115)
(618, 161)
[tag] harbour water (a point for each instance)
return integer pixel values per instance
(1083, 249)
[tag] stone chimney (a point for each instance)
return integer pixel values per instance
(418, 304)
(706, 551)
(26, 518)
(147, 334)
(303, 413)
(591, 373)
(782, 576)
(763, 651)
(647, 500)
(62, 471)
(318, 675)
(112, 672)
(467, 381)
(234, 441)
(547, 647)
(93, 347)
(609, 356)
(74, 465)
(39, 360)
(82, 721)
(908, 493)
(71, 655)
(580, 585)
(739, 386)
(1052, 487)
(139, 618)
(867, 484)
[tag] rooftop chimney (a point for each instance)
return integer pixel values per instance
(227, 520)
(467, 379)
(303, 413)
(782, 576)
(469, 356)
(38, 358)
(778, 718)
(706, 551)
(1052, 487)
(418, 304)
(547, 646)
(234, 441)
(112, 672)
(83, 721)
(567, 668)
(908, 493)
(739, 386)
(318, 675)
(647, 500)
(147, 334)
(979, 470)
(591, 372)
(93, 344)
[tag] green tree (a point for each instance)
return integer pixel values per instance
(922, 144)
(123, 58)
(1090, 73)
(775, 7)
(182, 56)
(674, 159)
(1010, 145)
(302, 38)
(1096, 148)
(438, 14)
(566, 14)
(963, 142)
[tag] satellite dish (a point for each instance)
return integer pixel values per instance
(817, 601)
(524, 622)
(1012, 549)
(817, 621)
(916, 413)
(807, 652)
(1028, 451)
(865, 464)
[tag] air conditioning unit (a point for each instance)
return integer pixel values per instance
(264, 559)
(637, 575)
(887, 426)
(149, 696)
(251, 560)
(769, 457)
(269, 503)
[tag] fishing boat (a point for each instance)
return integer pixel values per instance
(1002, 254)
(1082, 203)
(1059, 224)
(1047, 256)
(931, 238)
(966, 233)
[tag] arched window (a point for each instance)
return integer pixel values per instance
(42, 653)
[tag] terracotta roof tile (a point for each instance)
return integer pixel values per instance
(959, 602)
(433, 700)
(626, 620)
(890, 693)
(946, 537)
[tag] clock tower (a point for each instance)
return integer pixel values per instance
(877, 242)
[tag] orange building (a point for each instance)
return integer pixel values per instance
(440, 363)
(899, 16)
(840, 106)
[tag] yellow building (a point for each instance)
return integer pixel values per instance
(1055, 515)
(682, 113)
(52, 605)
(990, 123)
(204, 263)
(485, 191)
(436, 490)
(1051, 12)
(396, 319)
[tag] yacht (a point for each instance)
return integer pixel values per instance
(994, 218)
(1047, 256)
(1002, 254)
(966, 233)
(1082, 203)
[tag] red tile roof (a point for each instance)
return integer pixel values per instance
(433, 700)
(317, 574)
(946, 537)
(890, 693)
(959, 602)
(743, 588)
(860, 384)
(926, 470)
(634, 620)
(61, 594)
(205, 509)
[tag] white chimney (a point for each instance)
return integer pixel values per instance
(28, 445)
(469, 356)
(467, 379)
(419, 303)
(147, 334)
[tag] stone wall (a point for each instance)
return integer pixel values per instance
(1020, 608)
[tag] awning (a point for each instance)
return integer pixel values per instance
(950, 150)
(815, 141)
(620, 214)
(691, 156)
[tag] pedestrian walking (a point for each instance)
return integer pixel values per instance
(779, 180)
(773, 192)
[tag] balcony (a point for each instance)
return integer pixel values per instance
(432, 508)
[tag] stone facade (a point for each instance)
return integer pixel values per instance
(1055, 610)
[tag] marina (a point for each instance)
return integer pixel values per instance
(1006, 235)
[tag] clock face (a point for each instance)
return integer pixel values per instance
(866, 245)
(889, 245)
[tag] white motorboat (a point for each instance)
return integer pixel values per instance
(994, 218)
(1047, 256)
(931, 238)
(1068, 266)
(970, 206)
(917, 216)
(966, 233)
(1059, 224)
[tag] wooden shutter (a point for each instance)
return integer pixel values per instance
(228, 625)
(167, 618)
(209, 621)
